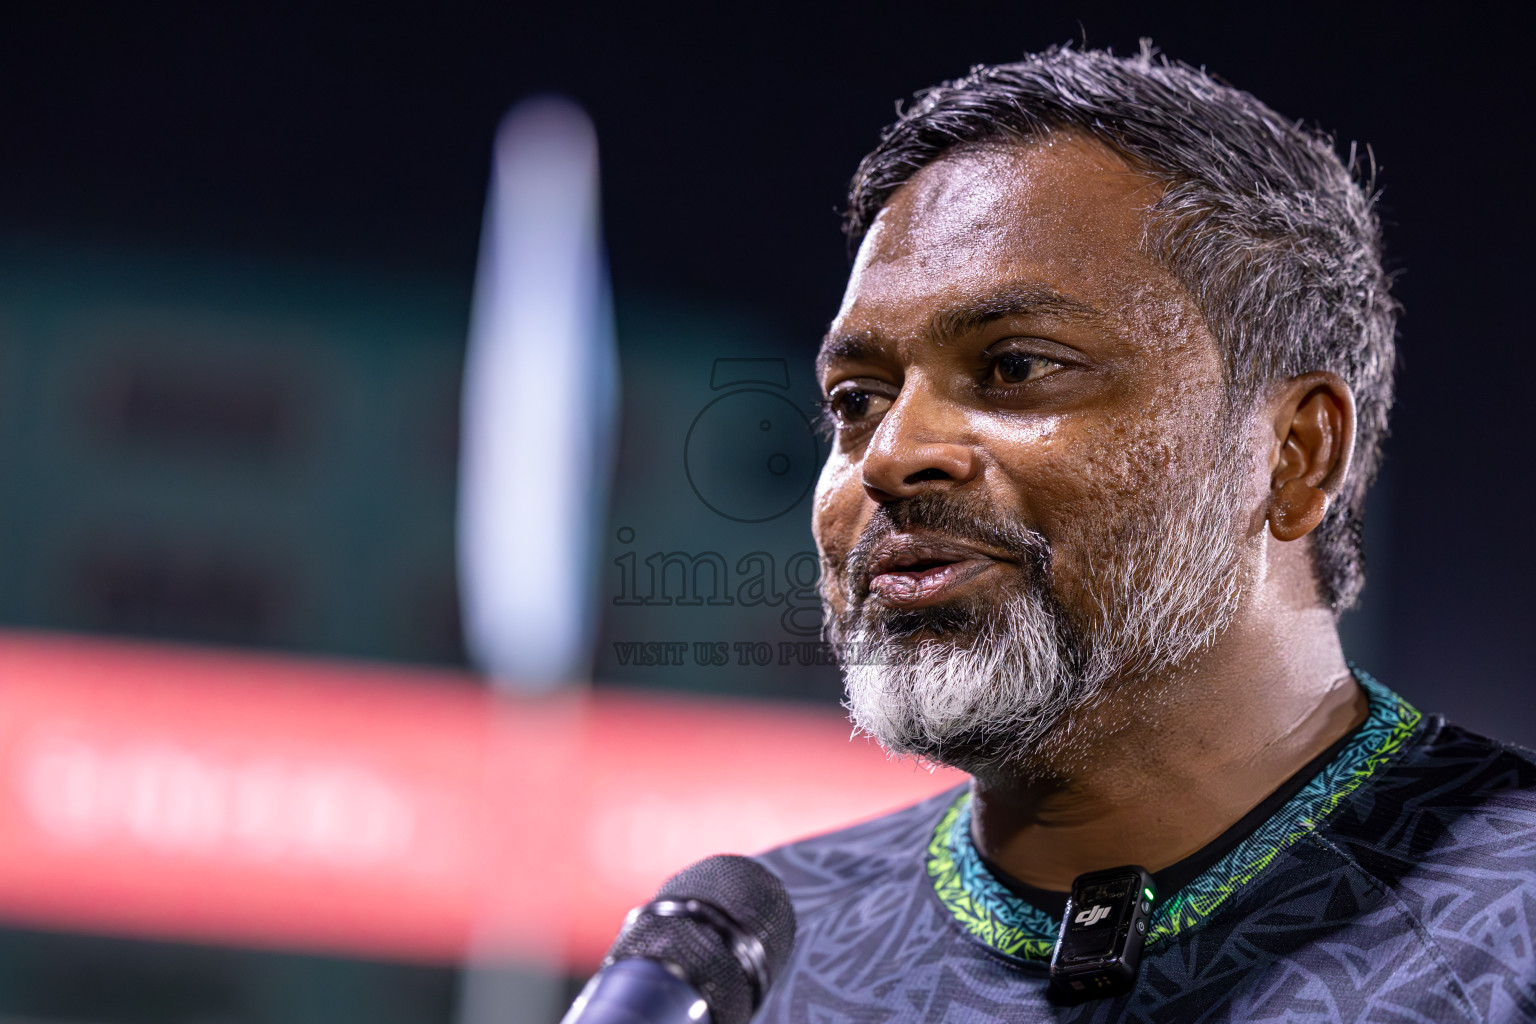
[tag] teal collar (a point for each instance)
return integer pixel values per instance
(990, 912)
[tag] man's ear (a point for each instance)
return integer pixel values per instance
(1314, 435)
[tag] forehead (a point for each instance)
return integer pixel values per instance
(1062, 215)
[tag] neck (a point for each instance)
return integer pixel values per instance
(1157, 769)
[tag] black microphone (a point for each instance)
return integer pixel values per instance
(704, 951)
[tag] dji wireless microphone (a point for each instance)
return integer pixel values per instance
(704, 951)
(1102, 933)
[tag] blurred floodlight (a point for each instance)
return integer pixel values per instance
(540, 391)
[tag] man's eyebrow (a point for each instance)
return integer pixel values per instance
(847, 348)
(1016, 300)
(952, 322)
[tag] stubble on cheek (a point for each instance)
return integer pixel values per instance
(1143, 453)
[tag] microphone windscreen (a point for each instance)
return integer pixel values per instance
(749, 894)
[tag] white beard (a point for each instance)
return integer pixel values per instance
(1161, 591)
(951, 703)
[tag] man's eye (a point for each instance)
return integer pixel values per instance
(1018, 367)
(851, 406)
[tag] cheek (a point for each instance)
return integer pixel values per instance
(1036, 469)
(1086, 478)
(841, 510)
(1129, 457)
(1152, 442)
(1069, 477)
(1158, 424)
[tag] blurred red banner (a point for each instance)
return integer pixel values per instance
(373, 810)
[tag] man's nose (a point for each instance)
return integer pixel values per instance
(921, 445)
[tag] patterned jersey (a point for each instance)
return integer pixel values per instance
(1399, 885)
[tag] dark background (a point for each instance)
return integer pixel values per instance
(356, 142)
(360, 137)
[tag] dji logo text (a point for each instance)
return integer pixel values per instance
(1092, 916)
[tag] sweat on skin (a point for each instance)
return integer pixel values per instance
(1005, 346)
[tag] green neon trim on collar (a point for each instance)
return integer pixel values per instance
(989, 912)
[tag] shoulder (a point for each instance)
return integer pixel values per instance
(872, 942)
(1449, 828)
(1449, 747)
(1452, 797)
(828, 869)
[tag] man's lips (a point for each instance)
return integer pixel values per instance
(908, 571)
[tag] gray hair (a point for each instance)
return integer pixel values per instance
(987, 683)
(1271, 233)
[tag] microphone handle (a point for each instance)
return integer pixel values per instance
(637, 991)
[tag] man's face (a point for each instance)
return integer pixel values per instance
(1032, 489)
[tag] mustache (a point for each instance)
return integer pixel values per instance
(945, 516)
